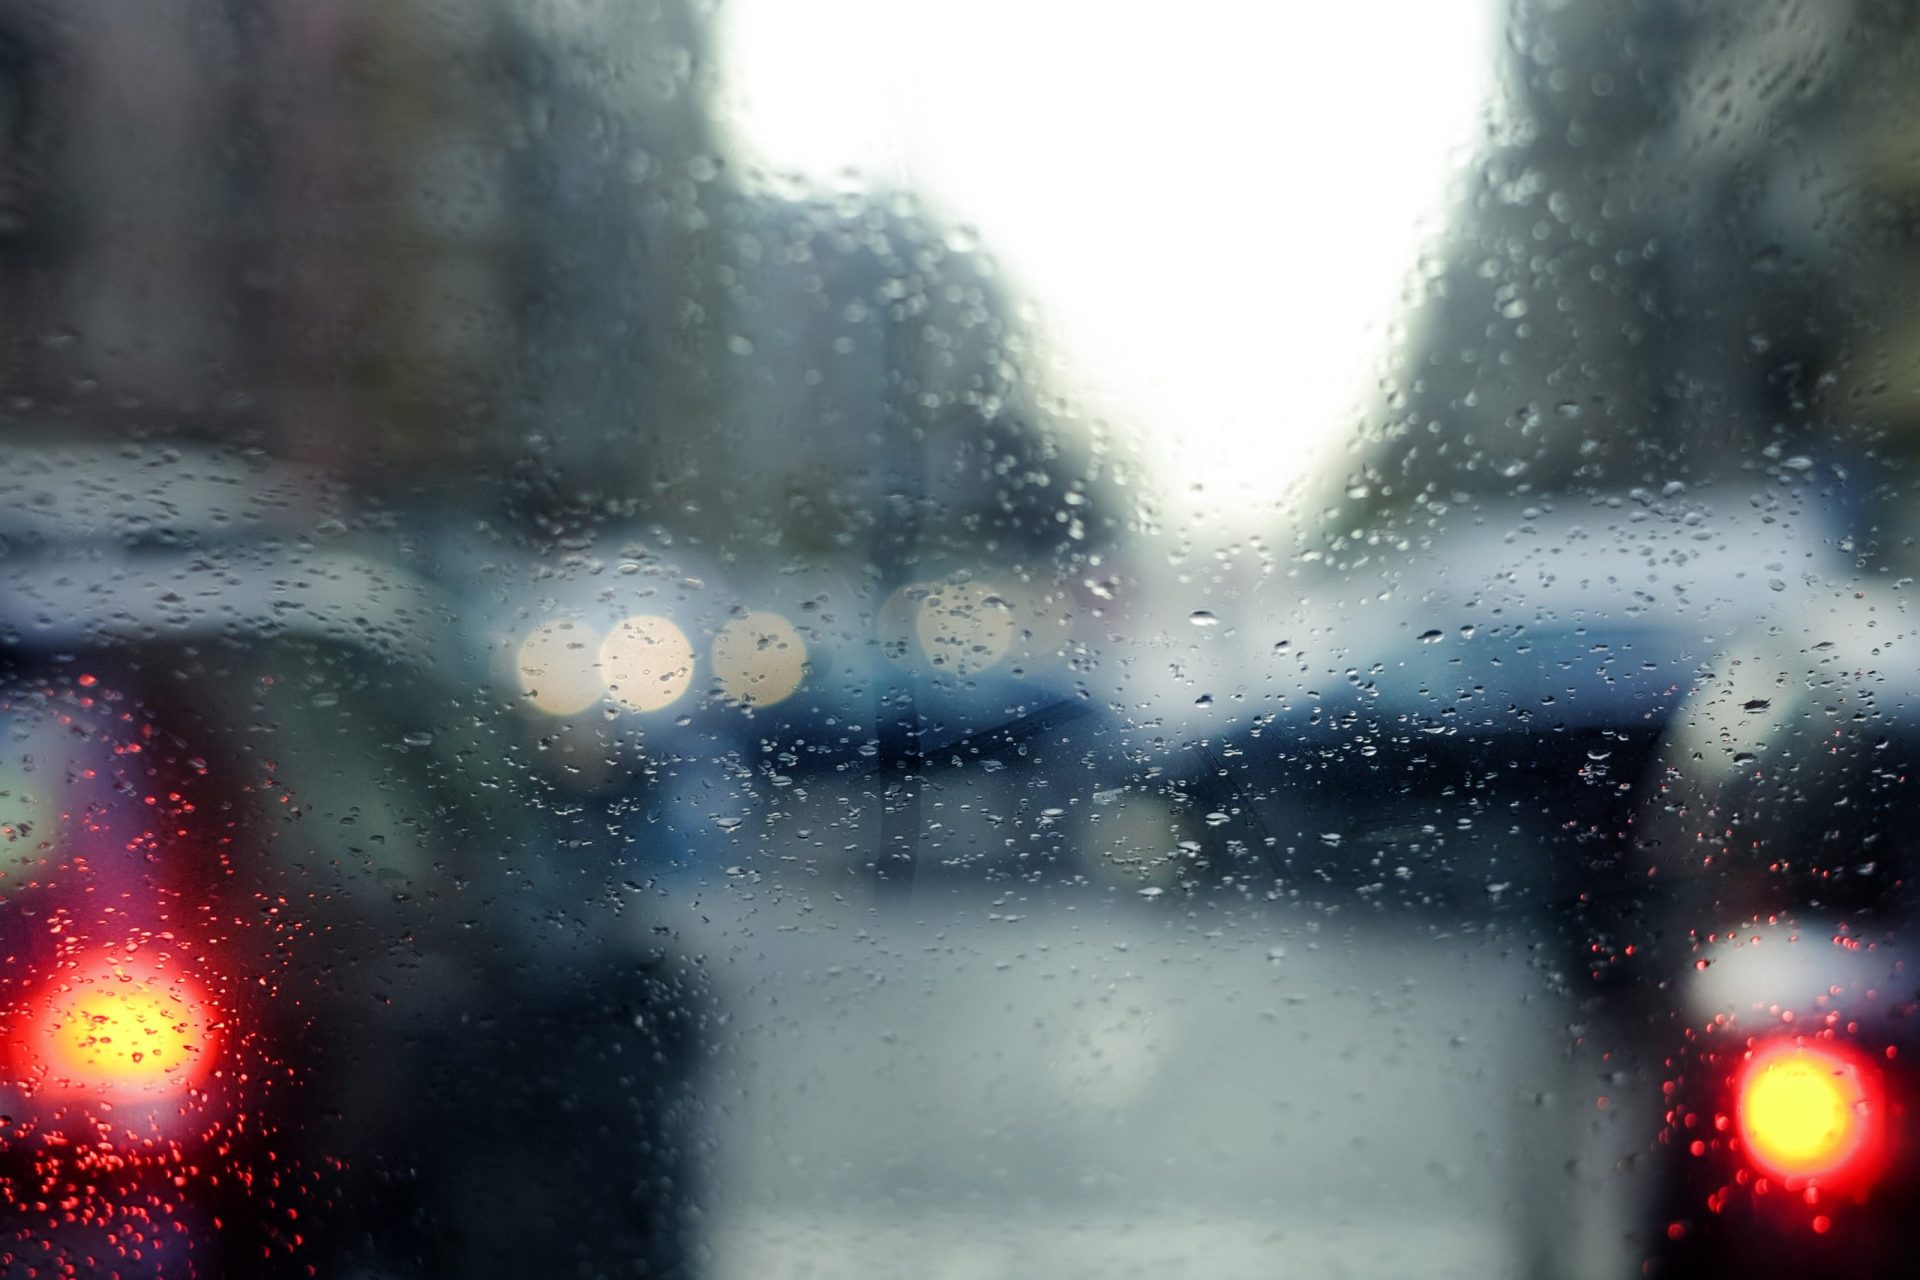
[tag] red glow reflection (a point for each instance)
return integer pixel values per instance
(114, 1028)
(1811, 1112)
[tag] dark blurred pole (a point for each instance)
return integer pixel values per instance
(902, 477)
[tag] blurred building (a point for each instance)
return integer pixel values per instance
(489, 256)
(1690, 259)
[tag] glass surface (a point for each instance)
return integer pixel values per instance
(983, 641)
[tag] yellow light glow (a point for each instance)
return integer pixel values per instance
(759, 659)
(964, 627)
(556, 667)
(1802, 1112)
(110, 1033)
(647, 662)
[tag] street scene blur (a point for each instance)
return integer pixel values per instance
(989, 641)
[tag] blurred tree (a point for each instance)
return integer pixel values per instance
(1690, 254)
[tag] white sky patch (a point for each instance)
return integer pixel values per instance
(1215, 206)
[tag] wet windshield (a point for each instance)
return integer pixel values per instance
(990, 640)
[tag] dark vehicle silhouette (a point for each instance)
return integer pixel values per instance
(243, 794)
(1783, 1028)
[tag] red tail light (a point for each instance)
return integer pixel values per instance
(115, 1029)
(1811, 1112)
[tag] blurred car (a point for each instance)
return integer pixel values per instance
(1494, 752)
(1783, 1037)
(282, 995)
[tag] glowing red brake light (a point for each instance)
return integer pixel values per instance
(112, 1029)
(1811, 1111)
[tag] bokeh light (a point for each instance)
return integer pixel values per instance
(759, 659)
(28, 814)
(110, 1030)
(964, 627)
(556, 668)
(647, 662)
(1807, 1111)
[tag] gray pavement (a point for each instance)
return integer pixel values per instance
(980, 1085)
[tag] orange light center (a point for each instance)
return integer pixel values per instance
(113, 1033)
(1805, 1112)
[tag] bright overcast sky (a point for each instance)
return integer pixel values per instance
(1215, 204)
